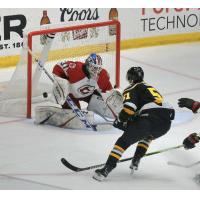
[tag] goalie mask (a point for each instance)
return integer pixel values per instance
(135, 75)
(94, 65)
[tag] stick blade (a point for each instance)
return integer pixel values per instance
(70, 166)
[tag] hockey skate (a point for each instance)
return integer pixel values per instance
(101, 174)
(134, 164)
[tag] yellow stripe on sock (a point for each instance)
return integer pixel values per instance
(142, 145)
(115, 155)
(119, 148)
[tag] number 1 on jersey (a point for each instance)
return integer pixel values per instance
(127, 96)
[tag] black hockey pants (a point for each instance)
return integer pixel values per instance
(143, 127)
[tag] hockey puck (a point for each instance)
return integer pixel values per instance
(45, 94)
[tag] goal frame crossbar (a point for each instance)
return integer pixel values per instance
(64, 29)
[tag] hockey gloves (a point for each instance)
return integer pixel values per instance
(120, 125)
(190, 141)
(189, 103)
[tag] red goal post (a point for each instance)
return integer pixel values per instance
(115, 23)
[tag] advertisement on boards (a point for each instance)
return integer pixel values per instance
(135, 23)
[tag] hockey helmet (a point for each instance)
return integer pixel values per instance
(135, 75)
(94, 65)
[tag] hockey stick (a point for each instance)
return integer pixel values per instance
(78, 169)
(181, 165)
(80, 114)
(70, 102)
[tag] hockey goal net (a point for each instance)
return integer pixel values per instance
(52, 45)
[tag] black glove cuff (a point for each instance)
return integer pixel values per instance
(123, 116)
(119, 125)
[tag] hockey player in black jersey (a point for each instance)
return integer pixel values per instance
(144, 117)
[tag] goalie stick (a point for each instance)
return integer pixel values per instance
(182, 165)
(70, 102)
(78, 169)
(80, 114)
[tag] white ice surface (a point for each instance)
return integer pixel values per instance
(30, 154)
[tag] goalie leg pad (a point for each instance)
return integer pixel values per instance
(59, 117)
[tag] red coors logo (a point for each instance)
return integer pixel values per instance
(86, 89)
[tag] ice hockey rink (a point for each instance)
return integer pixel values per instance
(30, 154)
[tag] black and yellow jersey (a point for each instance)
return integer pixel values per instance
(141, 97)
(137, 95)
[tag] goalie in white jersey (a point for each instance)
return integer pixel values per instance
(88, 82)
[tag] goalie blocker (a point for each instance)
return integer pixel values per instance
(108, 105)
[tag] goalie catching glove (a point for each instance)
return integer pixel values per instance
(107, 104)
